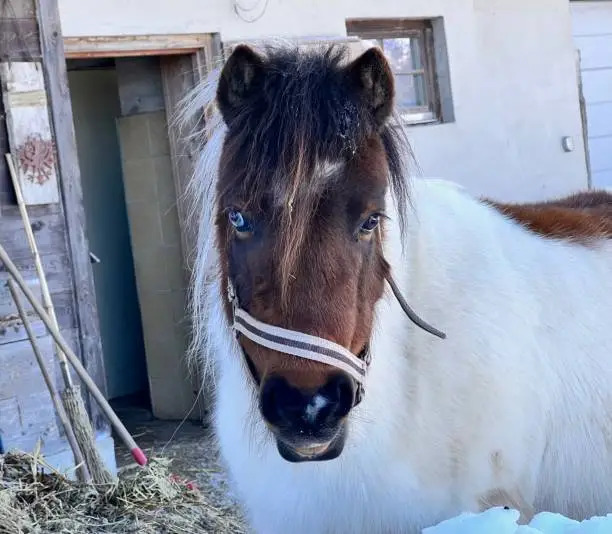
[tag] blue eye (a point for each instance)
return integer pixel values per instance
(238, 221)
(370, 224)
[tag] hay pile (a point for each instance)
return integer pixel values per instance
(35, 499)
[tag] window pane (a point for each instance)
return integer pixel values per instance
(373, 42)
(404, 54)
(410, 90)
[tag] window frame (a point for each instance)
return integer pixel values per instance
(396, 28)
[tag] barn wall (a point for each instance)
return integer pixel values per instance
(512, 76)
(26, 412)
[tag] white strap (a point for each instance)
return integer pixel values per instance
(299, 344)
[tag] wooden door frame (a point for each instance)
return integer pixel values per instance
(583, 117)
(135, 45)
(185, 60)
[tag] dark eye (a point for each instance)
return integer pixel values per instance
(370, 224)
(238, 221)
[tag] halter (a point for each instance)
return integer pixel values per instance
(315, 348)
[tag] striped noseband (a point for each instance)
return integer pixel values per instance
(315, 348)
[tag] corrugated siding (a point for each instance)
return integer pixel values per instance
(592, 31)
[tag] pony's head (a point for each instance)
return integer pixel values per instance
(306, 163)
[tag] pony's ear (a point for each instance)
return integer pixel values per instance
(372, 76)
(240, 80)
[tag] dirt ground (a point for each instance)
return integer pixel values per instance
(190, 447)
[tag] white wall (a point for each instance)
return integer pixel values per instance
(512, 72)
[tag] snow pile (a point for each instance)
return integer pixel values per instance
(504, 521)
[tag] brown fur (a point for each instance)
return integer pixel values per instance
(581, 217)
(335, 287)
(304, 267)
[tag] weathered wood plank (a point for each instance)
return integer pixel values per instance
(12, 330)
(54, 66)
(130, 45)
(19, 39)
(30, 139)
(47, 224)
(178, 78)
(26, 412)
(57, 271)
(17, 359)
(180, 74)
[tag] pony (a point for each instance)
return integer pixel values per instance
(338, 407)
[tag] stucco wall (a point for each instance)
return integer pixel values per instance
(512, 72)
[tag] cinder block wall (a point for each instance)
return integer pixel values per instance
(156, 243)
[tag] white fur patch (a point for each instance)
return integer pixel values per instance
(314, 407)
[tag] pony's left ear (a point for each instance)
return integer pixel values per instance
(240, 80)
(371, 74)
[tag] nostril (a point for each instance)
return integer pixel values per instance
(341, 393)
(279, 401)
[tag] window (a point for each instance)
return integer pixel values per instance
(408, 45)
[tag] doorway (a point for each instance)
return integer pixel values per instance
(94, 94)
(121, 107)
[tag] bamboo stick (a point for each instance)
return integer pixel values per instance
(47, 302)
(82, 470)
(137, 453)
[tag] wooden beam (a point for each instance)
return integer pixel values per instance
(179, 76)
(583, 118)
(54, 68)
(177, 79)
(133, 45)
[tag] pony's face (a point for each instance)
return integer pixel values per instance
(303, 177)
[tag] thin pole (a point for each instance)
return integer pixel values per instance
(47, 302)
(137, 453)
(59, 407)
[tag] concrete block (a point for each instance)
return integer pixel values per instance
(175, 273)
(171, 230)
(133, 137)
(59, 456)
(166, 192)
(145, 226)
(139, 178)
(158, 134)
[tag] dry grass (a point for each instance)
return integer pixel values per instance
(35, 499)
